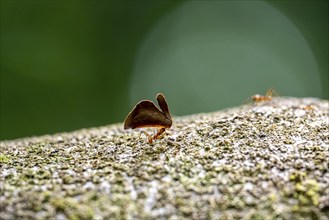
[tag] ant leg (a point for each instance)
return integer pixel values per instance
(160, 132)
(150, 138)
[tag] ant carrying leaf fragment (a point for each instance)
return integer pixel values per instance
(146, 114)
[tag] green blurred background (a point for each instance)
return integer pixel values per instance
(67, 65)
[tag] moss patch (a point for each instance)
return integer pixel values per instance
(4, 159)
(258, 161)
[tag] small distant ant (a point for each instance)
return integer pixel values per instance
(308, 107)
(260, 98)
(146, 114)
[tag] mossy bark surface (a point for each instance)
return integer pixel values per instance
(266, 160)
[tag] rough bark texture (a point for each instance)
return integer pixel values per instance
(258, 161)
